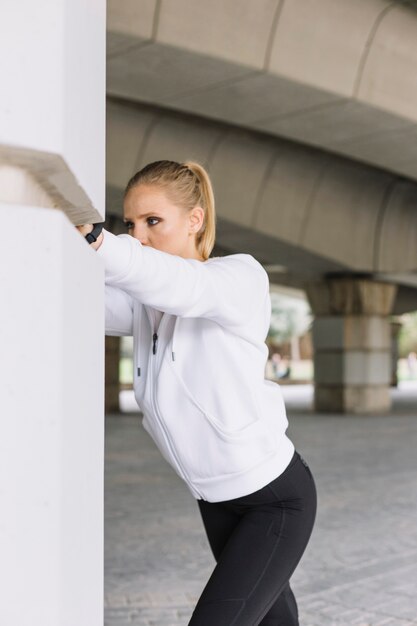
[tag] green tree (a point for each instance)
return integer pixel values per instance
(290, 317)
(407, 340)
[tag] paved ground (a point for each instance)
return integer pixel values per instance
(360, 567)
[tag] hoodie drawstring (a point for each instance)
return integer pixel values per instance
(154, 339)
(173, 336)
(138, 338)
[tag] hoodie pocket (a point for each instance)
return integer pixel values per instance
(226, 432)
(203, 447)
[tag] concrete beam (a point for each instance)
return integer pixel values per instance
(288, 70)
(290, 205)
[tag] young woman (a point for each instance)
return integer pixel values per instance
(199, 325)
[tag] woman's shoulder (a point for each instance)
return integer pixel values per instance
(241, 257)
(235, 255)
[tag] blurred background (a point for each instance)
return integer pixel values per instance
(304, 113)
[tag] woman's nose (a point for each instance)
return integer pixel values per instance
(137, 234)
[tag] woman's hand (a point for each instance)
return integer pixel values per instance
(87, 228)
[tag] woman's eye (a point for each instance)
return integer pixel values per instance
(156, 220)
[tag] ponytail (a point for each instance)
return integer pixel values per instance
(207, 234)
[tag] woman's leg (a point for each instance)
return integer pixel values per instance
(257, 540)
(284, 611)
(219, 523)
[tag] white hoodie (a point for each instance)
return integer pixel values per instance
(200, 379)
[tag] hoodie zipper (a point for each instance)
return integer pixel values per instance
(153, 399)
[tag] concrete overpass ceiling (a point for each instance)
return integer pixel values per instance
(291, 205)
(328, 73)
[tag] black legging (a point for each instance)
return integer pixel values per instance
(257, 541)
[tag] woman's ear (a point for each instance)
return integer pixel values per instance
(196, 219)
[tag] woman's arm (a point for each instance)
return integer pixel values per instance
(87, 228)
(118, 303)
(229, 290)
(119, 312)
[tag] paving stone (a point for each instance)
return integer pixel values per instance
(360, 566)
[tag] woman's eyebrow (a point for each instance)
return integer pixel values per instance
(139, 216)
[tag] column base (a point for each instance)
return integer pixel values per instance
(352, 399)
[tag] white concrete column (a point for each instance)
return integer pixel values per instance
(352, 344)
(52, 312)
(52, 113)
(51, 426)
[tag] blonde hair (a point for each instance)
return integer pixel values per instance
(187, 185)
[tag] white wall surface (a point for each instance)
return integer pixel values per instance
(52, 98)
(51, 422)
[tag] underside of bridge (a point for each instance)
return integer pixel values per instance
(305, 116)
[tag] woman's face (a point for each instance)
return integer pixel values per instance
(156, 222)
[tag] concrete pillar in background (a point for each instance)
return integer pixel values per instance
(352, 344)
(112, 384)
(52, 312)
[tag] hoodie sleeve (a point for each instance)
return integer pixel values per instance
(119, 312)
(228, 290)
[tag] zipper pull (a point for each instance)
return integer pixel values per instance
(155, 338)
